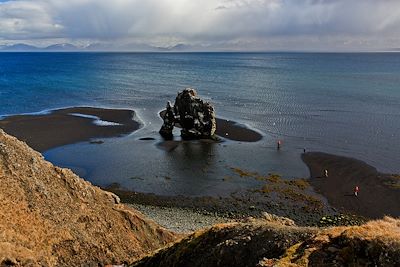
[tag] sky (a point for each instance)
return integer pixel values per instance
(243, 25)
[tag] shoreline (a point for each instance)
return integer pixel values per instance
(180, 220)
(285, 199)
(55, 128)
(377, 198)
(49, 129)
(379, 193)
(304, 201)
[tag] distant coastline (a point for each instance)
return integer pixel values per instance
(146, 48)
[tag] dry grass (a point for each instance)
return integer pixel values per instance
(376, 243)
(385, 229)
(293, 253)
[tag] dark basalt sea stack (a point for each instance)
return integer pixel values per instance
(195, 116)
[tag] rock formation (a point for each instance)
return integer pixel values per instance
(195, 116)
(51, 217)
(169, 122)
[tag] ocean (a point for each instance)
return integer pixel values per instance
(341, 103)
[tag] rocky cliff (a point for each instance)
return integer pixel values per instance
(51, 217)
(273, 243)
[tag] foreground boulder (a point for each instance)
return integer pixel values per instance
(51, 217)
(272, 242)
(195, 116)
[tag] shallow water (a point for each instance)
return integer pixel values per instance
(347, 104)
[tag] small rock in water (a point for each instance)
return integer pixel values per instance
(147, 139)
(97, 142)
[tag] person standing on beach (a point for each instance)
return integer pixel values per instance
(326, 173)
(356, 189)
(279, 144)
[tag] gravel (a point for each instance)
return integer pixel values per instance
(180, 220)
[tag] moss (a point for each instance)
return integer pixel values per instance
(274, 178)
(266, 189)
(287, 189)
(243, 173)
(300, 183)
(312, 202)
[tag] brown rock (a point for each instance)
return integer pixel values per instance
(262, 243)
(51, 217)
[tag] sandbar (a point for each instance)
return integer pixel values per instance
(379, 193)
(69, 125)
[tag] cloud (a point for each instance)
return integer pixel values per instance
(26, 20)
(257, 23)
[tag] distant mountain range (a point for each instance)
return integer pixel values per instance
(66, 47)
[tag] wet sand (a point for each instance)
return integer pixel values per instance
(234, 131)
(379, 193)
(60, 127)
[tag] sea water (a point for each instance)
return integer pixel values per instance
(341, 103)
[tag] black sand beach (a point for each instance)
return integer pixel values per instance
(234, 131)
(379, 193)
(61, 127)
